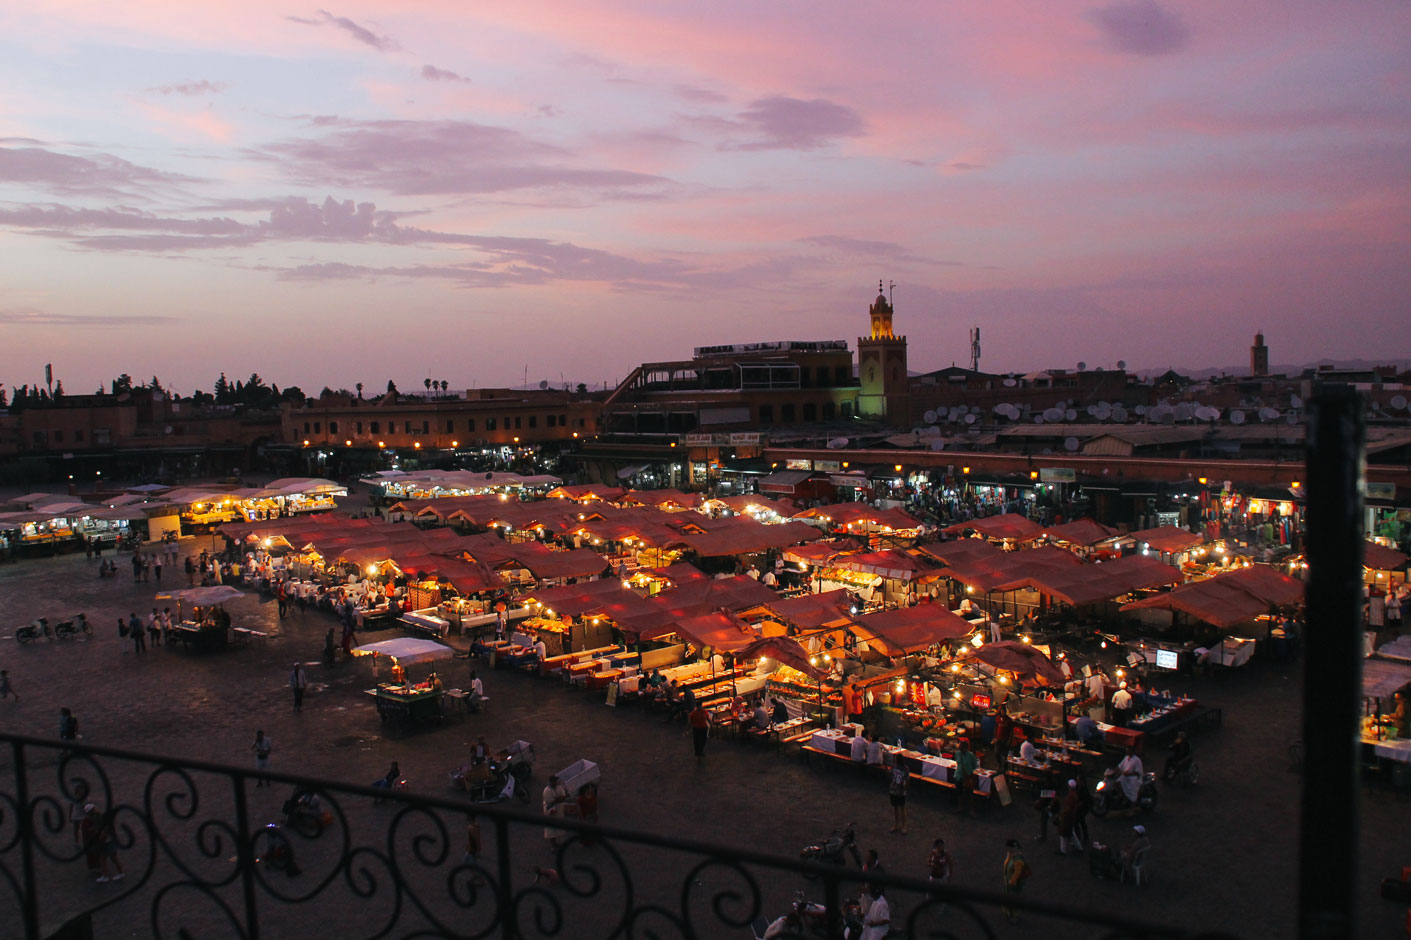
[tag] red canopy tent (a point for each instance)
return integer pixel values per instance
(907, 629)
(1080, 532)
(1021, 659)
(1228, 599)
(1166, 538)
(1381, 558)
(1009, 526)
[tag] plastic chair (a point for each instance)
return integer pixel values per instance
(1137, 869)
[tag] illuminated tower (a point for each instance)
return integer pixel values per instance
(1259, 356)
(884, 394)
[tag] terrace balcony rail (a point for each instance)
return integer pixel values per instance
(200, 861)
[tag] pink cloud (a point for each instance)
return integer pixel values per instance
(1140, 27)
(432, 74)
(359, 33)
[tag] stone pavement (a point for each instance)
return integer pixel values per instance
(1224, 854)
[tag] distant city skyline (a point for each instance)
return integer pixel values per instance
(327, 195)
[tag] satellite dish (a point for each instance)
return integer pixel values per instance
(1237, 417)
(1009, 383)
(168, 429)
(1001, 409)
(929, 417)
(932, 431)
(1053, 414)
(1168, 417)
(1092, 411)
(1292, 418)
(1141, 409)
(1082, 367)
(1268, 414)
(543, 383)
(1185, 411)
(1397, 401)
(1046, 451)
(1297, 401)
(1070, 443)
(1119, 413)
(969, 419)
(837, 442)
(1038, 419)
(1122, 364)
(1070, 415)
(938, 444)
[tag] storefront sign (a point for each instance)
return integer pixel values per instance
(1057, 475)
(848, 479)
(796, 463)
(700, 440)
(1168, 518)
(744, 439)
(1381, 491)
(827, 466)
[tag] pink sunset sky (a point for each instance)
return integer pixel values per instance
(484, 192)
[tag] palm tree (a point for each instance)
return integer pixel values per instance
(360, 391)
(444, 385)
(427, 383)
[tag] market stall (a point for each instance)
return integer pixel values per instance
(397, 699)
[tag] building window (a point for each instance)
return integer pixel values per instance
(102, 436)
(563, 421)
(306, 427)
(810, 411)
(786, 413)
(426, 427)
(489, 424)
(470, 425)
(829, 411)
(78, 436)
(407, 427)
(318, 427)
(847, 409)
(766, 414)
(39, 437)
(376, 427)
(548, 421)
(360, 427)
(333, 427)
(533, 420)
(516, 422)
(58, 437)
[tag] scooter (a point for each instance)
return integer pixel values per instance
(810, 918)
(503, 778)
(34, 631)
(275, 851)
(834, 849)
(69, 629)
(1110, 796)
(304, 813)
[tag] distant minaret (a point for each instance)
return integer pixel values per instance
(1259, 356)
(884, 387)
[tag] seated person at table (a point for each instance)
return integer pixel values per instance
(760, 720)
(859, 749)
(1179, 758)
(874, 750)
(1086, 731)
(1029, 754)
(780, 713)
(739, 709)
(683, 706)
(1400, 719)
(541, 652)
(479, 751)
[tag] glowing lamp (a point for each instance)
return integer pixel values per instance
(372, 569)
(897, 468)
(1033, 474)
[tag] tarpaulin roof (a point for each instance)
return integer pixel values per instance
(720, 632)
(678, 573)
(1021, 659)
(961, 551)
(907, 629)
(548, 565)
(202, 596)
(987, 574)
(662, 497)
(1080, 532)
(784, 649)
(1166, 538)
(889, 563)
(572, 600)
(1010, 525)
(407, 650)
(747, 501)
(1228, 599)
(1381, 558)
(816, 554)
(586, 491)
(741, 535)
(811, 611)
(1080, 585)
(1380, 678)
(784, 481)
(468, 577)
(860, 513)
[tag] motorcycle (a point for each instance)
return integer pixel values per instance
(69, 629)
(1111, 797)
(810, 918)
(272, 848)
(33, 631)
(503, 777)
(304, 813)
(834, 849)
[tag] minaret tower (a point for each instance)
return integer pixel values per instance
(884, 394)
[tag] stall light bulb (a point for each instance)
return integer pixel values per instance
(827, 658)
(1004, 680)
(372, 569)
(1121, 673)
(955, 695)
(1026, 640)
(1103, 644)
(813, 660)
(955, 667)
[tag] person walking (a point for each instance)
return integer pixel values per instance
(939, 864)
(282, 598)
(699, 722)
(190, 572)
(157, 566)
(878, 922)
(1016, 872)
(1068, 820)
(298, 681)
(108, 850)
(555, 795)
(154, 628)
(262, 746)
(134, 630)
(68, 725)
(6, 689)
(471, 856)
(896, 794)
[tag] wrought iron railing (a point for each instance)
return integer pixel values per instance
(199, 860)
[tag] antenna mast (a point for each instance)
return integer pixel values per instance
(975, 349)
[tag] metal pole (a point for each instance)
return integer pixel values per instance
(1329, 817)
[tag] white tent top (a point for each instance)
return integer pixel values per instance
(406, 649)
(202, 596)
(459, 479)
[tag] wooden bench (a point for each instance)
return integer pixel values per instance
(240, 636)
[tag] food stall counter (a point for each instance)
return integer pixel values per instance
(407, 703)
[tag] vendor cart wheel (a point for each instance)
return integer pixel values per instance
(22, 638)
